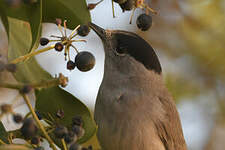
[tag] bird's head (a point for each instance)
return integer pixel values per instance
(118, 43)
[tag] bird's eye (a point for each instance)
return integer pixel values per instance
(120, 48)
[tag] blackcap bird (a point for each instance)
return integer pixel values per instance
(134, 110)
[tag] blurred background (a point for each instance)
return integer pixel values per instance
(189, 39)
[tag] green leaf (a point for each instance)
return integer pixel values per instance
(74, 11)
(19, 45)
(52, 99)
(3, 133)
(31, 13)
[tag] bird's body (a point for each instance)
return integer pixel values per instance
(134, 110)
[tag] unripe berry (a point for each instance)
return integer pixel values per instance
(59, 47)
(44, 41)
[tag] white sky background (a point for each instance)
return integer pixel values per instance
(195, 119)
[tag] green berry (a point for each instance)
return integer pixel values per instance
(83, 30)
(60, 131)
(144, 22)
(44, 41)
(84, 61)
(70, 65)
(59, 47)
(17, 118)
(29, 129)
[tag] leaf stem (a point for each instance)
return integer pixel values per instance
(27, 101)
(27, 56)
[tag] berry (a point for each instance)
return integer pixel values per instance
(29, 129)
(44, 41)
(79, 131)
(60, 131)
(35, 140)
(74, 146)
(59, 47)
(128, 5)
(83, 30)
(84, 148)
(2, 66)
(60, 114)
(26, 89)
(11, 67)
(144, 22)
(90, 147)
(77, 120)
(84, 61)
(6, 108)
(58, 21)
(70, 137)
(17, 118)
(70, 65)
(119, 1)
(39, 148)
(38, 115)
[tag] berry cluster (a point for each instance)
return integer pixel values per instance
(144, 21)
(84, 61)
(8, 67)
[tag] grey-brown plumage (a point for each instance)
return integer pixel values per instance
(134, 110)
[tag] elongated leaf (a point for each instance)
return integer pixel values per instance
(3, 133)
(74, 11)
(53, 99)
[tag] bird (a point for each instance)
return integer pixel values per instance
(133, 109)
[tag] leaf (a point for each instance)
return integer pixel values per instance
(31, 13)
(74, 11)
(19, 44)
(3, 133)
(52, 99)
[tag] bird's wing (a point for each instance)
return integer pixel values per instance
(169, 127)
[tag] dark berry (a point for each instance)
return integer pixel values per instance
(59, 47)
(70, 65)
(38, 115)
(60, 131)
(2, 66)
(17, 118)
(39, 148)
(44, 41)
(26, 89)
(35, 140)
(144, 22)
(78, 130)
(119, 1)
(60, 114)
(83, 30)
(84, 61)
(6, 108)
(74, 146)
(128, 5)
(29, 129)
(77, 120)
(70, 137)
(11, 67)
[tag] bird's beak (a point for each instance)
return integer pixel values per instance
(98, 30)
